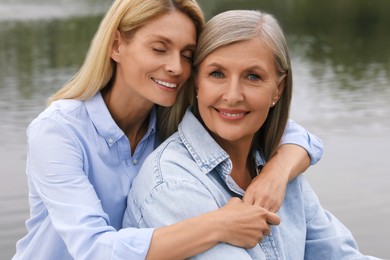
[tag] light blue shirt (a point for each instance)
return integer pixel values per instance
(80, 169)
(189, 175)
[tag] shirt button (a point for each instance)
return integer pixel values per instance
(110, 140)
(135, 161)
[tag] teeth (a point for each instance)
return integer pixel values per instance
(165, 84)
(233, 115)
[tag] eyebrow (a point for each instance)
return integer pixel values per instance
(254, 67)
(257, 67)
(170, 42)
(214, 64)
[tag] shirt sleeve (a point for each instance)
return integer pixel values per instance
(326, 236)
(296, 134)
(174, 201)
(56, 169)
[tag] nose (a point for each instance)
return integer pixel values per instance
(174, 65)
(233, 92)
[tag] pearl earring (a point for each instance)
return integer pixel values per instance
(273, 103)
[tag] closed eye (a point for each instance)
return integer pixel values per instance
(187, 54)
(159, 50)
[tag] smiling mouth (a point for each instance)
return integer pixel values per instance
(232, 115)
(165, 84)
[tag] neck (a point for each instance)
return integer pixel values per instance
(239, 154)
(129, 114)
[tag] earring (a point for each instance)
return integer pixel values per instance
(196, 96)
(273, 103)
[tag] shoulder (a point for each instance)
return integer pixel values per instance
(62, 118)
(59, 111)
(169, 163)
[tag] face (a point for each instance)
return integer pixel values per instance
(155, 63)
(237, 85)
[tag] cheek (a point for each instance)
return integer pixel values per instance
(264, 98)
(261, 105)
(205, 94)
(187, 70)
(204, 99)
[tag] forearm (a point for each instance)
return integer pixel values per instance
(296, 134)
(290, 160)
(236, 223)
(184, 239)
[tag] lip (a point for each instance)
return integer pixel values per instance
(166, 84)
(231, 114)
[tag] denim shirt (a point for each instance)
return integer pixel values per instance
(189, 175)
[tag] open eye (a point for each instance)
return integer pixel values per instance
(253, 77)
(217, 74)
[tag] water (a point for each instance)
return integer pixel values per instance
(341, 64)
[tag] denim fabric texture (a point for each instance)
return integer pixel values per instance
(189, 175)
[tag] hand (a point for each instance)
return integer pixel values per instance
(267, 189)
(244, 225)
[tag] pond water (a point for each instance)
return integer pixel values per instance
(341, 65)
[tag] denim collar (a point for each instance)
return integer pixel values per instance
(203, 148)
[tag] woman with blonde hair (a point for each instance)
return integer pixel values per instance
(243, 85)
(86, 148)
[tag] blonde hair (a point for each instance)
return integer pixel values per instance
(241, 25)
(98, 69)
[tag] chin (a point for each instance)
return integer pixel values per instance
(166, 103)
(229, 137)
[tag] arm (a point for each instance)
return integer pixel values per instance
(64, 193)
(326, 236)
(189, 221)
(297, 151)
(202, 236)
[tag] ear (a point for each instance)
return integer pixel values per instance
(279, 90)
(115, 47)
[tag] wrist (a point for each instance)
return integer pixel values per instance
(277, 169)
(218, 228)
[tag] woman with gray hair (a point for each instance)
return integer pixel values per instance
(86, 147)
(242, 94)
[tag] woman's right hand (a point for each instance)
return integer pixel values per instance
(244, 225)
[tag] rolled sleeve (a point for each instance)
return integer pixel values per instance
(296, 134)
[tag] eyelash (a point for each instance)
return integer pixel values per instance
(159, 50)
(214, 74)
(257, 77)
(187, 57)
(162, 51)
(219, 74)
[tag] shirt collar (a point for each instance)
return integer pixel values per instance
(105, 124)
(203, 148)
(259, 159)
